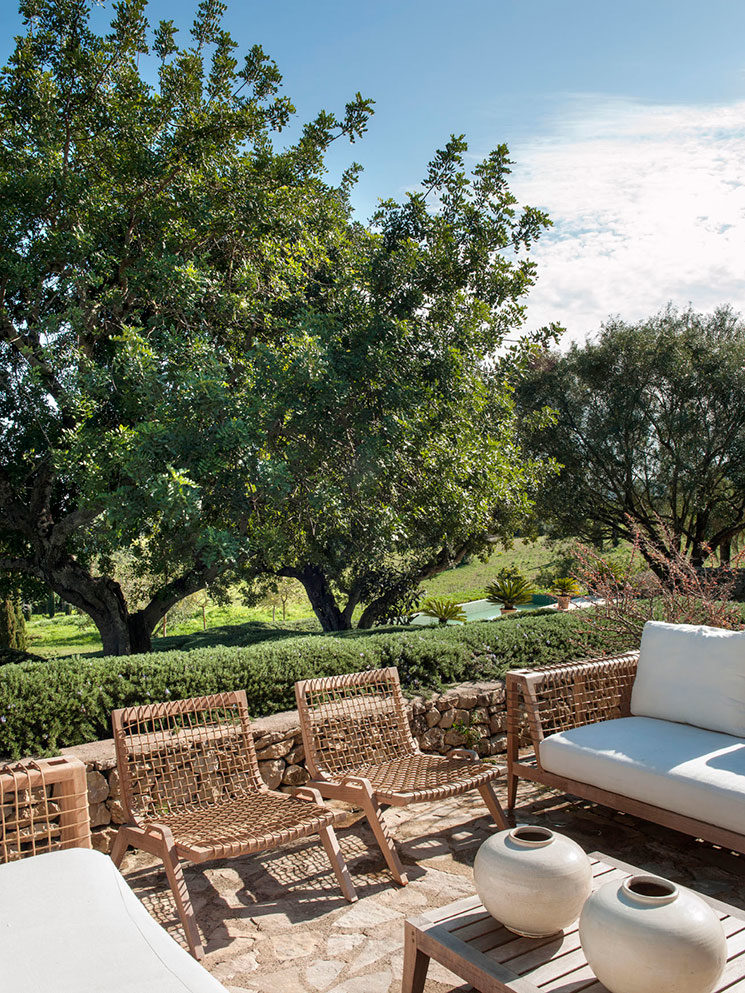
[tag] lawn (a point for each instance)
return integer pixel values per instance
(541, 561)
(66, 634)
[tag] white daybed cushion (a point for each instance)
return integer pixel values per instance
(677, 767)
(69, 923)
(692, 674)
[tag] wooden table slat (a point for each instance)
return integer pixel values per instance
(734, 969)
(523, 964)
(578, 981)
(555, 968)
(738, 986)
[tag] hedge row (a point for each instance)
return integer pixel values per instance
(45, 706)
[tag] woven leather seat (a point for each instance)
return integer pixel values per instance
(248, 824)
(359, 748)
(191, 788)
(416, 778)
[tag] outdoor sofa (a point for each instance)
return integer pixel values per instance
(658, 733)
(69, 923)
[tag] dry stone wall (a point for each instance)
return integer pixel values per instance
(471, 715)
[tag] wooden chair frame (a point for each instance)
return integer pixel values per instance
(43, 807)
(549, 699)
(359, 749)
(191, 788)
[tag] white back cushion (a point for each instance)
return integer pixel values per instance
(691, 674)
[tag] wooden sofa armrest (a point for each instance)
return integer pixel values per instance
(555, 698)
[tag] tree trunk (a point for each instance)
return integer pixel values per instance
(322, 600)
(102, 599)
(122, 633)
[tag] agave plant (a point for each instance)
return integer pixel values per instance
(510, 589)
(444, 610)
(565, 587)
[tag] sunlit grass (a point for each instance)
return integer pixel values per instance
(67, 634)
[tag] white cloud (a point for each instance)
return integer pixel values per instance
(648, 205)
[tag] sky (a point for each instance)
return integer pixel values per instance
(625, 121)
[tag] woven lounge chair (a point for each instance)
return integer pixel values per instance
(191, 789)
(359, 748)
(69, 921)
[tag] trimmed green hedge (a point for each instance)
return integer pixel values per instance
(45, 706)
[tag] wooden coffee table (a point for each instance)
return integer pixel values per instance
(469, 942)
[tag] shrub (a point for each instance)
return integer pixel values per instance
(443, 610)
(510, 588)
(45, 706)
(12, 625)
(672, 589)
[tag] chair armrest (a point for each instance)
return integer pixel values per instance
(559, 697)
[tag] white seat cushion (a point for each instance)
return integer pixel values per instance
(677, 767)
(70, 924)
(692, 674)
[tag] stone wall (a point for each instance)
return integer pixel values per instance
(471, 715)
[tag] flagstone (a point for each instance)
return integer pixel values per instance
(278, 924)
(323, 972)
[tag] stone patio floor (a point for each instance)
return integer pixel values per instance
(277, 923)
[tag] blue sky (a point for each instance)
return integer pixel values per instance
(626, 122)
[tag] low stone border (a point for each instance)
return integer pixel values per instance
(471, 715)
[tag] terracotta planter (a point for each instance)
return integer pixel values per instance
(533, 880)
(563, 602)
(664, 938)
(504, 611)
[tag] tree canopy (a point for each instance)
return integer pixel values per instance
(650, 431)
(207, 364)
(395, 452)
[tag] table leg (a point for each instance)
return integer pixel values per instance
(416, 963)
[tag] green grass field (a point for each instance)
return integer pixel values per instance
(541, 561)
(67, 634)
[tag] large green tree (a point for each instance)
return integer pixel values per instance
(394, 453)
(650, 429)
(208, 366)
(150, 237)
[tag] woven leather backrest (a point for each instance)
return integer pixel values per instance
(185, 755)
(43, 807)
(353, 720)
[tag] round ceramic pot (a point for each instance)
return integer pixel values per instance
(532, 880)
(563, 602)
(646, 934)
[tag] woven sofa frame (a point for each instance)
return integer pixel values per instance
(549, 699)
(43, 807)
(359, 749)
(191, 789)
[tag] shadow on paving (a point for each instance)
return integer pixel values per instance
(277, 921)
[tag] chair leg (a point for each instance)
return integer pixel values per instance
(158, 841)
(176, 880)
(328, 838)
(511, 791)
(370, 805)
(120, 846)
(493, 805)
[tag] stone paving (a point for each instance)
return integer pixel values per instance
(277, 923)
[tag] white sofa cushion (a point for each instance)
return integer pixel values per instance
(70, 924)
(677, 767)
(691, 674)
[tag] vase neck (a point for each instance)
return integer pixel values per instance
(531, 837)
(649, 891)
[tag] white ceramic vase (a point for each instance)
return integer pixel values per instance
(647, 935)
(533, 880)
